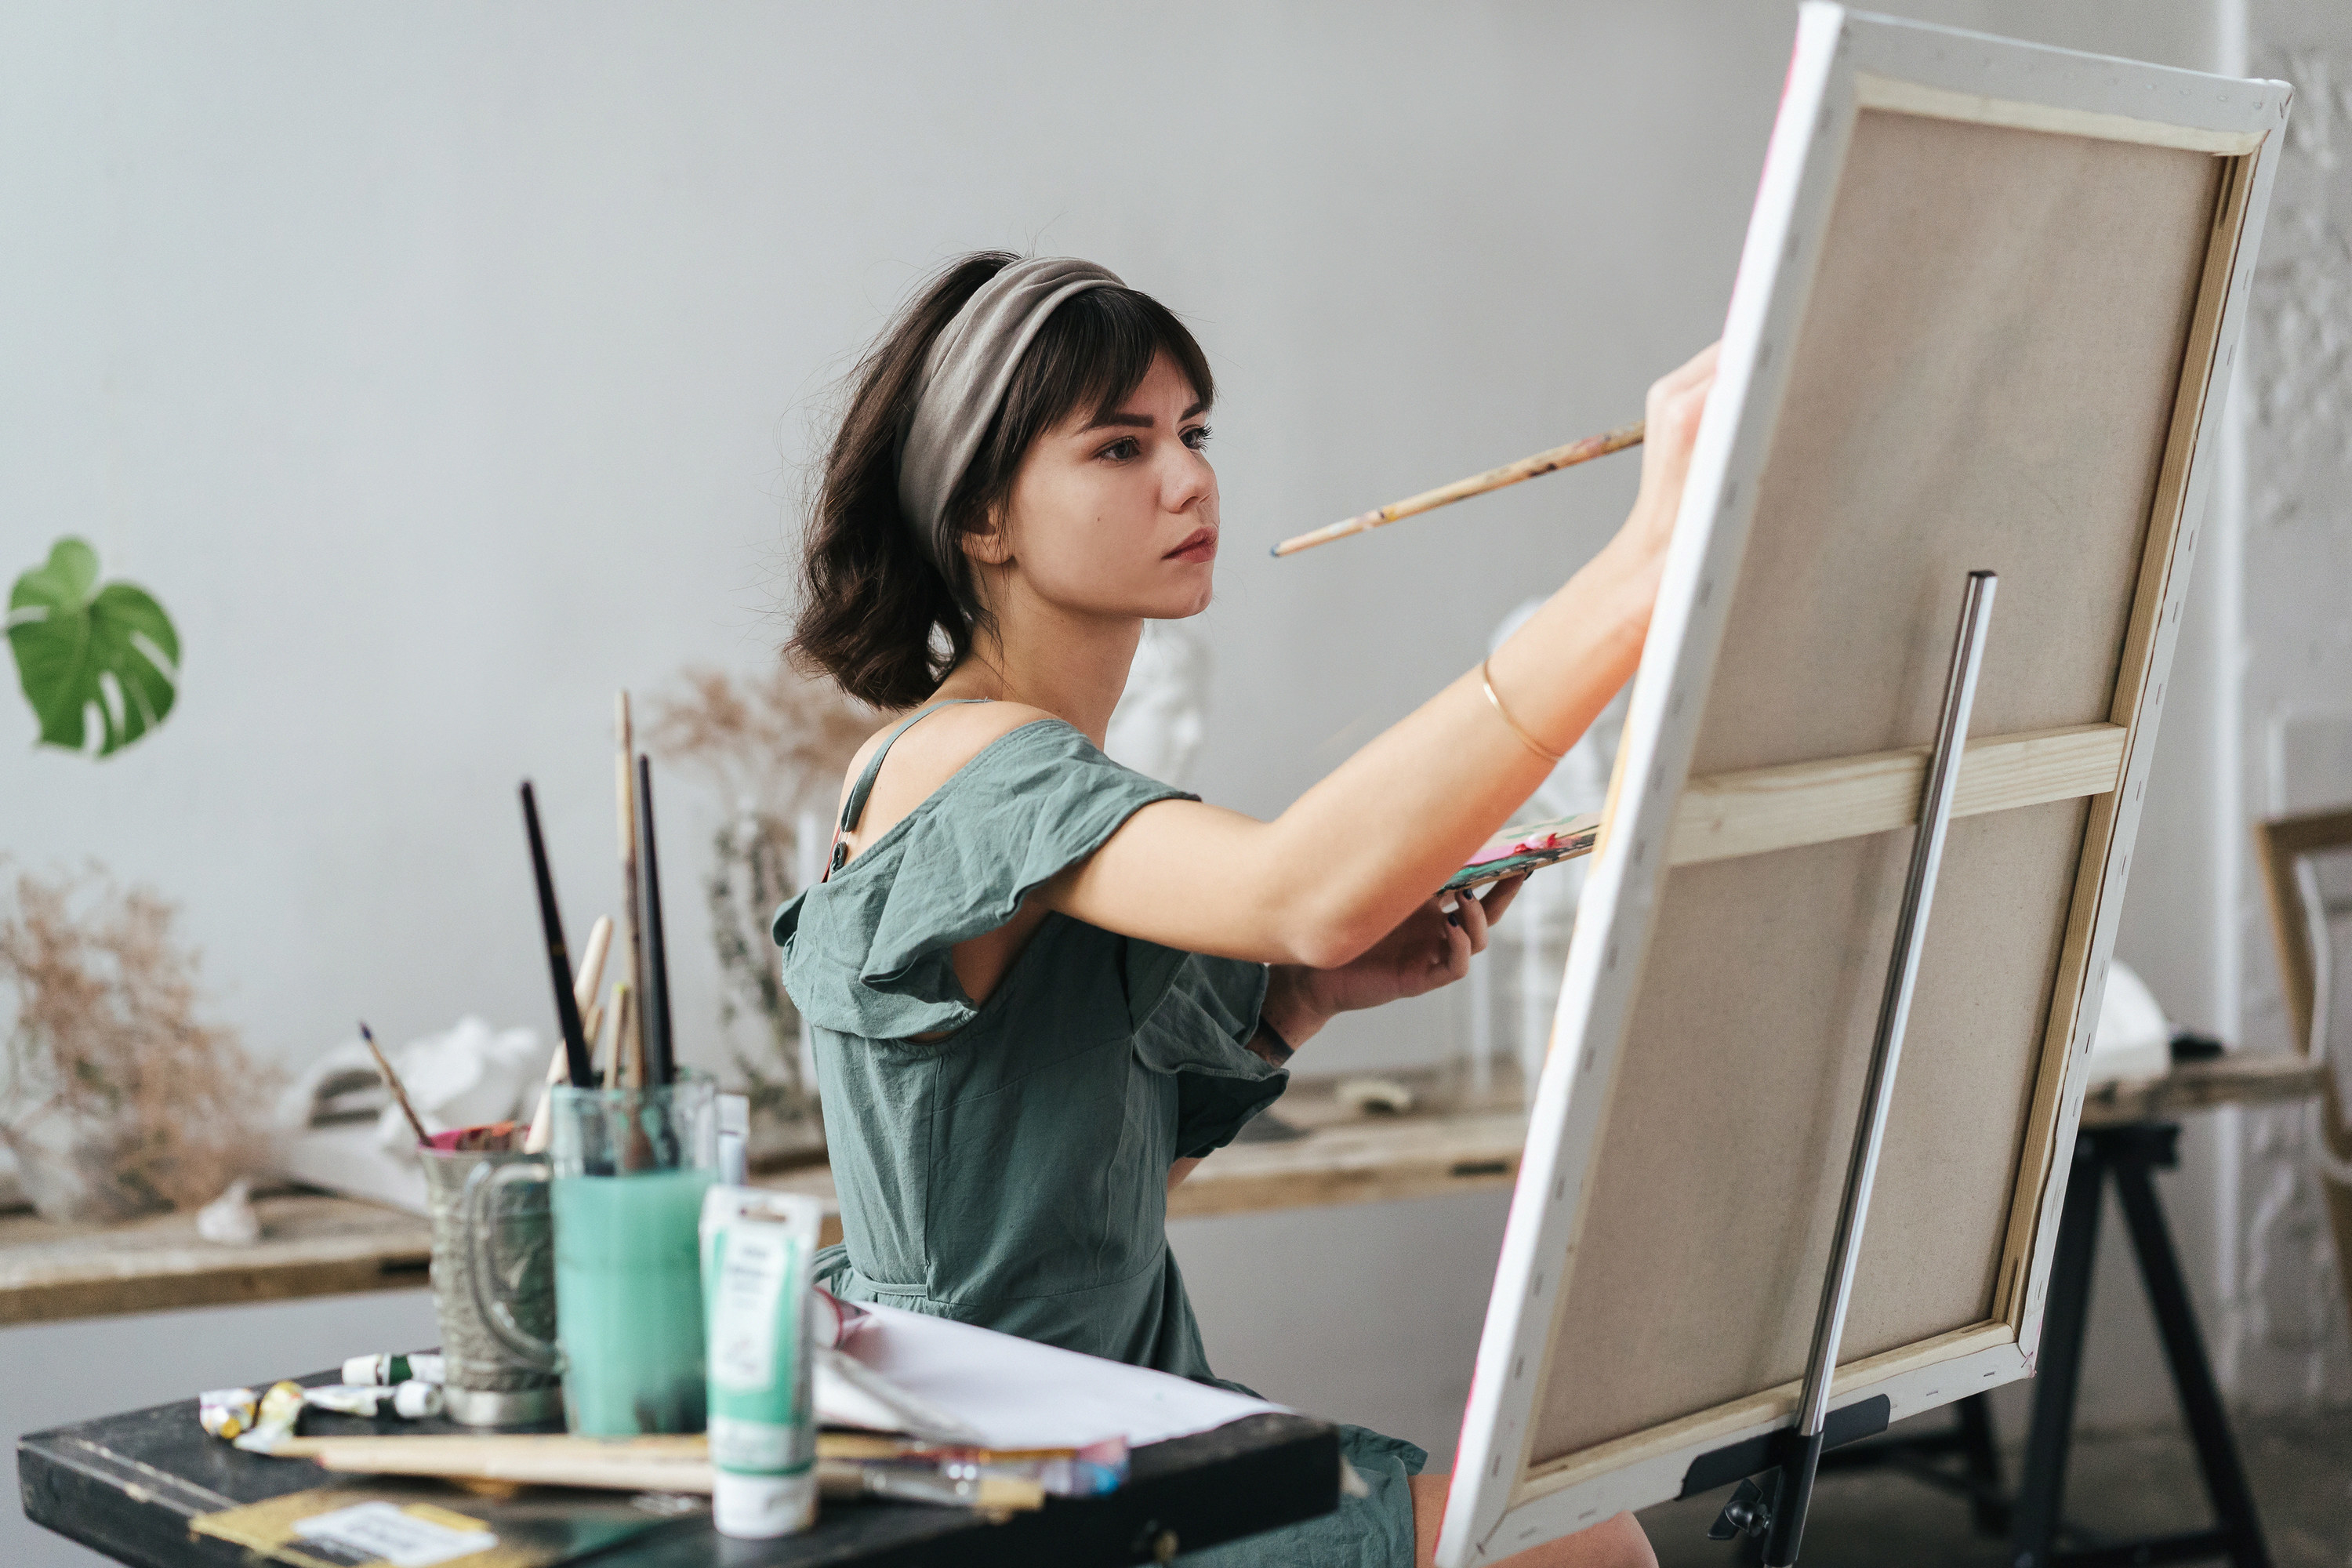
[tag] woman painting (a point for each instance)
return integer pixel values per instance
(1042, 986)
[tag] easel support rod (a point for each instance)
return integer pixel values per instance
(1796, 1488)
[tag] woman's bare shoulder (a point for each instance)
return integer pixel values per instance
(928, 755)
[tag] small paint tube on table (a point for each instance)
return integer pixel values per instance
(411, 1401)
(273, 1422)
(848, 1480)
(757, 1248)
(226, 1413)
(386, 1370)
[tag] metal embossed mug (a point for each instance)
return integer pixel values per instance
(485, 1386)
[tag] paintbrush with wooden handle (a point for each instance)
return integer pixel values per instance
(1558, 457)
(583, 993)
(392, 1080)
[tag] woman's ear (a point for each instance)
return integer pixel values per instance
(988, 544)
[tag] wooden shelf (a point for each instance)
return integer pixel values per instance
(2240, 1077)
(311, 1244)
(317, 1244)
(1451, 1141)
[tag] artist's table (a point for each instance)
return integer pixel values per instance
(315, 1245)
(129, 1485)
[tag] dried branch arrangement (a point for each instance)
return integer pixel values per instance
(115, 1096)
(774, 746)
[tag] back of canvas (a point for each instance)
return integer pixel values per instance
(1984, 377)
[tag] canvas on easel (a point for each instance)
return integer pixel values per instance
(1984, 318)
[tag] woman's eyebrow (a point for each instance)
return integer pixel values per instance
(1139, 421)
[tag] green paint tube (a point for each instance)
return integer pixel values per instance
(757, 1248)
(389, 1369)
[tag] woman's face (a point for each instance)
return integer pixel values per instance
(1115, 517)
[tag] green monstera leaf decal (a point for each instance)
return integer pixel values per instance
(80, 647)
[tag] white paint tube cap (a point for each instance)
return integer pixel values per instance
(759, 1508)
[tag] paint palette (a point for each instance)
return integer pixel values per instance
(1516, 851)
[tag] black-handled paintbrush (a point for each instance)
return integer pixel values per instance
(559, 958)
(661, 1058)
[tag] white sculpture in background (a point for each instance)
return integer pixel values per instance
(1160, 718)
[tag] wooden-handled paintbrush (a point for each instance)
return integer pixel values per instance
(1559, 457)
(391, 1080)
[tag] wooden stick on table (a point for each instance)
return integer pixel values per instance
(1558, 457)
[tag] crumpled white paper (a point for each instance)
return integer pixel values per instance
(340, 1130)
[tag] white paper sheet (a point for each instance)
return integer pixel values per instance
(1022, 1394)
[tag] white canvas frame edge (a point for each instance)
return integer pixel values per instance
(1487, 1518)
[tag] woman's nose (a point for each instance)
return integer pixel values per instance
(1187, 480)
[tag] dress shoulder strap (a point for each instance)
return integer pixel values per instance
(854, 808)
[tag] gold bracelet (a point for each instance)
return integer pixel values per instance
(1486, 679)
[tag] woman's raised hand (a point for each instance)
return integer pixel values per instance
(1672, 414)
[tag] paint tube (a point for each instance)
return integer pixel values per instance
(411, 1401)
(757, 1248)
(273, 1422)
(1088, 1471)
(847, 1480)
(226, 1413)
(386, 1370)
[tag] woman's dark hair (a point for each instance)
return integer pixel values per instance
(875, 614)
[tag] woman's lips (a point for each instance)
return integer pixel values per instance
(1201, 545)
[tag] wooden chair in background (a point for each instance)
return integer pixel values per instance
(2308, 907)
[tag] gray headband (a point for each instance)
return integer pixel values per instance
(965, 380)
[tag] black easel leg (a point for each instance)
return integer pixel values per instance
(2184, 1347)
(2042, 1485)
(1980, 1457)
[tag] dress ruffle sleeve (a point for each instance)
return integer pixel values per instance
(869, 953)
(1199, 1032)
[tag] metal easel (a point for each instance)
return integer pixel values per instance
(1780, 1515)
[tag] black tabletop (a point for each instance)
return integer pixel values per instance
(130, 1486)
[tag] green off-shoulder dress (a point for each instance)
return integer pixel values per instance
(1014, 1173)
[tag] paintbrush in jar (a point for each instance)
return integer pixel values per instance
(391, 1080)
(559, 958)
(583, 996)
(632, 911)
(653, 1012)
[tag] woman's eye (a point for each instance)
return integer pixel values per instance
(1197, 437)
(1121, 450)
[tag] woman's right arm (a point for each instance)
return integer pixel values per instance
(1359, 851)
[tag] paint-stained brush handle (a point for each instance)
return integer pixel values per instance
(1542, 463)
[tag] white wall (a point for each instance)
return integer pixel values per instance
(442, 367)
(2293, 713)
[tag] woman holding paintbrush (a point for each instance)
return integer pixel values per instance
(1042, 986)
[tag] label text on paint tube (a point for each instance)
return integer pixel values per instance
(752, 1274)
(395, 1535)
